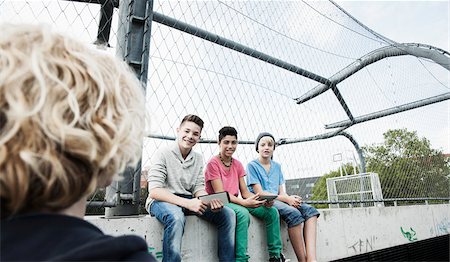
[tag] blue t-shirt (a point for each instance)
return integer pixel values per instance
(270, 182)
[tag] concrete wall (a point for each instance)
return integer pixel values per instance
(341, 232)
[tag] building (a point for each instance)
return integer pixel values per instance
(301, 186)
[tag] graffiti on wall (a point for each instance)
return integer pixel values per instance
(441, 228)
(410, 235)
(363, 245)
(158, 255)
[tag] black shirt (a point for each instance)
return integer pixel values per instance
(39, 237)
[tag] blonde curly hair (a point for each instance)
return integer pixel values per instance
(71, 117)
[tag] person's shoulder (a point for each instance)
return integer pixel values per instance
(276, 164)
(237, 163)
(160, 152)
(254, 162)
(164, 150)
(134, 248)
(213, 160)
(120, 248)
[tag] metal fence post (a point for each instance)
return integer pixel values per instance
(133, 44)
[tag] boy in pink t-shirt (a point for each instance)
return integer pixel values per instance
(230, 176)
(225, 173)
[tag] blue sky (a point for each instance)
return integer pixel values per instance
(425, 22)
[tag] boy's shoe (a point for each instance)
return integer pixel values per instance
(277, 259)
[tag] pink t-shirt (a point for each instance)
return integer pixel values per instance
(230, 178)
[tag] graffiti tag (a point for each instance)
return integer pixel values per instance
(158, 255)
(363, 245)
(410, 235)
(441, 228)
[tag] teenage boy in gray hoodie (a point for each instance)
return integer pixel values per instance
(175, 180)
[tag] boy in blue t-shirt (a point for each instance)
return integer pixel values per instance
(264, 177)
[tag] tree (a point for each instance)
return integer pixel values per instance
(408, 167)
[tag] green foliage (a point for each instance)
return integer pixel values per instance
(408, 167)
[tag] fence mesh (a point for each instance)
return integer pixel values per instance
(188, 75)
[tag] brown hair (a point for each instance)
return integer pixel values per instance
(193, 118)
(71, 118)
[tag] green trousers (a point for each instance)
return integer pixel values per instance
(272, 220)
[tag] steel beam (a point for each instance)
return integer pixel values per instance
(439, 56)
(390, 111)
(198, 32)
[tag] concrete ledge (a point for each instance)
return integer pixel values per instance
(341, 232)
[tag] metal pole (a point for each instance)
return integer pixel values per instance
(106, 14)
(362, 161)
(104, 27)
(439, 56)
(391, 111)
(190, 29)
(133, 40)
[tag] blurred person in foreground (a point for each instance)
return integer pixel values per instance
(71, 118)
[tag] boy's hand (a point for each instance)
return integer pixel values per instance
(269, 203)
(294, 201)
(216, 205)
(196, 205)
(253, 201)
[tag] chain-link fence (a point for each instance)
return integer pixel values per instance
(339, 98)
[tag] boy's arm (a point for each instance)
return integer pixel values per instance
(282, 196)
(157, 172)
(164, 195)
(194, 204)
(199, 187)
(250, 199)
(244, 189)
(258, 190)
(293, 200)
(157, 176)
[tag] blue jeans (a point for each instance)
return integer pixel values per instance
(295, 216)
(173, 219)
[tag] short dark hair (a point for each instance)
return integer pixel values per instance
(227, 131)
(193, 118)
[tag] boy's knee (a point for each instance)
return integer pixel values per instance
(273, 213)
(292, 218)
(228, 213)
(177, 219)
(227, 217)
(243, 216)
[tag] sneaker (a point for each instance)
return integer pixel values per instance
(277, 259)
